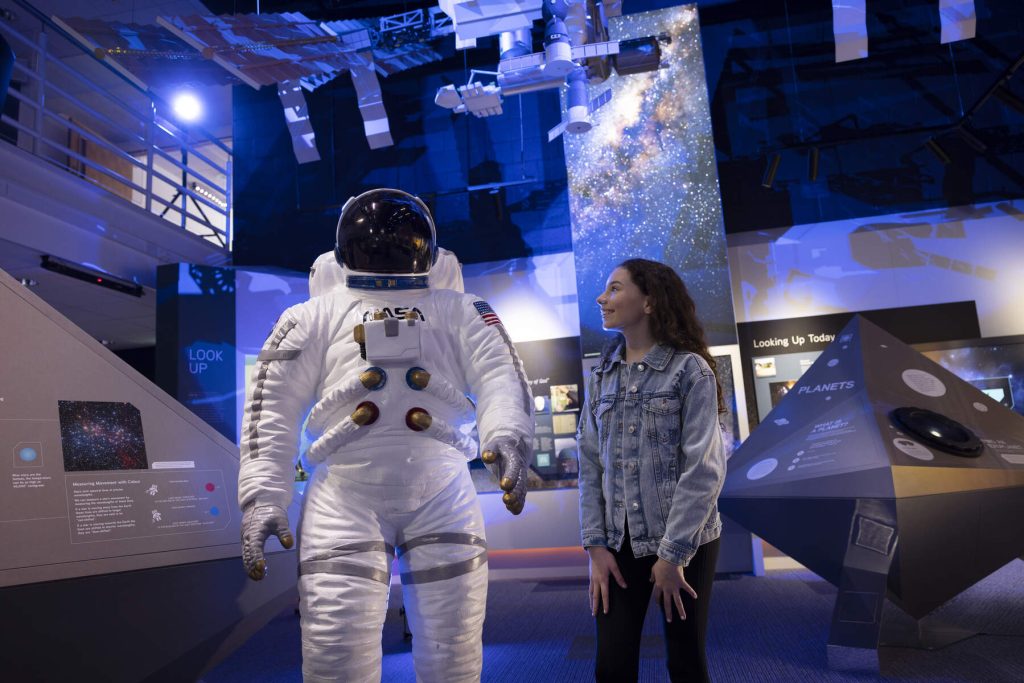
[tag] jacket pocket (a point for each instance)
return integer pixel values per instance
(663, 426)
(663, 422)
(604, 419)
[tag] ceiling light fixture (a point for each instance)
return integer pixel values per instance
(188, 108)
(87, 274)
(203, 192)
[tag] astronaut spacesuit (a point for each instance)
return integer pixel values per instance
(386, 363)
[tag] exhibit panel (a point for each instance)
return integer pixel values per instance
(100, 465)
(776, 353)
(211, 324)
(116, 500)
(993, 364)
(876, 467)
(644, 184)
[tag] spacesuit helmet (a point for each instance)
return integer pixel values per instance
(388, 232)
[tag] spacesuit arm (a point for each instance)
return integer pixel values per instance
(592, 526)
(496, 377)
(504, 402)
(284, 384)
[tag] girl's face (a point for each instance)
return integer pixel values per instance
(623, 305)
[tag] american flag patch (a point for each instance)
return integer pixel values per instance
(486, 312)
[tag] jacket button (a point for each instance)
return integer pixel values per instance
(632, 428)
(636, 506)
(640, 367)
(632, 389)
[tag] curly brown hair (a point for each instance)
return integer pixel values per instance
(674, 314)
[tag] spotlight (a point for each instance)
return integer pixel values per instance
(937, 150)
(187, 107)
(972, 140)
(1009, 99)
(812, 164)
(769, 173)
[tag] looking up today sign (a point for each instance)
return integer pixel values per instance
(768, 348)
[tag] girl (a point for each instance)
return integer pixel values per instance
(652, 463)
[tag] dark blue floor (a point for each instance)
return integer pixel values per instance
(771, 628)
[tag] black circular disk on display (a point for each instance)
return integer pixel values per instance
(938, 430)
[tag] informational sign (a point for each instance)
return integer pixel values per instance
(196, 341)
(99, 471)
(776, 353)
(144, 504)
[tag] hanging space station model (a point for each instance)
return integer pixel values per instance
(577, 55)
(888, 476)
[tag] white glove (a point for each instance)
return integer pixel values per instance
(259, 522)
(505, 458)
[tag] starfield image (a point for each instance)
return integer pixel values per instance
(99, 435)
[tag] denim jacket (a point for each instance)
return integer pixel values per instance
(651, 452)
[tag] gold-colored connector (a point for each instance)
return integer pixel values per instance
(507, 484)
(365, 413)
(421, 378)
(359, 334)
(419, 419)
(378, 315)
(489, 457)
(370, 378)
(411, 315)
(509, 500)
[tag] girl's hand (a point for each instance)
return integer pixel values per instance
(602, 564)
(668, 580)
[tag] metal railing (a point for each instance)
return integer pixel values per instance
(77, 112)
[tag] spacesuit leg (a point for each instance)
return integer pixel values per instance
(443, 560)
(344, 580)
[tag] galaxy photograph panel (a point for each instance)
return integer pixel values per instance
(643, 183)
(100, 435)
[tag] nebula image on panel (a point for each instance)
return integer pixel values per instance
(643, 182)
(100, 435)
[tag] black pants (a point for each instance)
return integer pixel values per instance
(618, 632)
